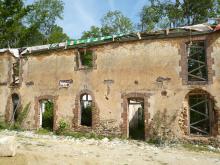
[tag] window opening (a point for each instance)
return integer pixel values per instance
(197, 66)
(85, 59)
(15, 74)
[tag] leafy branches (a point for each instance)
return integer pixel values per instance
(163, 14)
(32, 24)
(113, 22)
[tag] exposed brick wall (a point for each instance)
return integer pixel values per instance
(216, 123)
(183, 118)
(77, 113)
(37, 110)
(184, 64)
(124, 115)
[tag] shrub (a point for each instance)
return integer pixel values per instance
(63, 126)
(43, 131)
(47, 118)
(3, 125)
(23, 114)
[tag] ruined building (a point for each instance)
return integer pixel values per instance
(165, 82)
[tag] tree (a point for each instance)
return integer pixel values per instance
(196, 12)
(44, 15)
(30, 25)
(150, 16)
(114, 22)
(57, 35)
(94, 32)
(177, 13)
(11, 15)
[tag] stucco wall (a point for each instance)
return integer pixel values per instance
(6, 60)
(134, 67)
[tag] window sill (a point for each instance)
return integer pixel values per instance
(197, 83)
(85, 68)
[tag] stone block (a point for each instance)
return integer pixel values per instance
(7, 146)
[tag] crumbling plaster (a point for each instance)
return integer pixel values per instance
(134, 67)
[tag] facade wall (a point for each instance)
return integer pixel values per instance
(6, 62)
(150, 68)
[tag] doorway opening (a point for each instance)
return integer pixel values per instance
(136, 118)
(46, 114)
(86, 110)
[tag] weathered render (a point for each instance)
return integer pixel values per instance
(154, 70)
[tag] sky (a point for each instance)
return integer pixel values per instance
(80, 15)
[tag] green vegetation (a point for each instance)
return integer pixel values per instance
(64, 129)
(3, 125)
(27, 25)
(113, 22)
(35, 24)
(86, 58)
(47, 118)
(43, 131)
(82, 135)
(63, 126)
(22, 115)
(160, 129)
(171, 14)
(199, 148)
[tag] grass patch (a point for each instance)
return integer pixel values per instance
(43, 131)
(199, 148)
(3, 125)
(81, 135)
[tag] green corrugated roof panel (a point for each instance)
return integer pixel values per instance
(91, 40)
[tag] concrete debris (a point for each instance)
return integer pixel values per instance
(7, 146)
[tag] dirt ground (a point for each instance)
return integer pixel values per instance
(58, 150)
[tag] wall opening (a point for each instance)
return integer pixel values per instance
(201, 113)
(15, 73)
(86, 110)
(136, 118)
(15, 106)
(85, 59)
(197, 65)
(46, 114)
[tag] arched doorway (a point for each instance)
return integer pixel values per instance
(86, 111)
(201, 113)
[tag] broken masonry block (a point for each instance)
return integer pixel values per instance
(7, 146)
